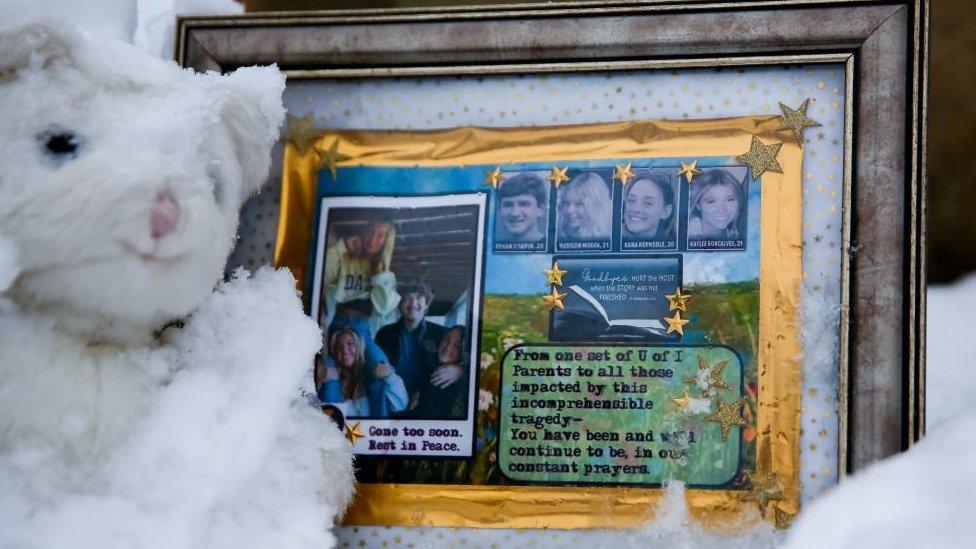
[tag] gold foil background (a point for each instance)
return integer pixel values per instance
(778, 421)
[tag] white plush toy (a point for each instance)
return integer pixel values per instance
(121, 177)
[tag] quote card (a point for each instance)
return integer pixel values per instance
(609, 415)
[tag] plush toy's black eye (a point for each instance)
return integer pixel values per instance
(60, 144)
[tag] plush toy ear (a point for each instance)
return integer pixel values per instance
(34, 44)
(253, 113)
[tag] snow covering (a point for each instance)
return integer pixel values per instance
(114, 19)
(139, 406)
(199, 441)
(673, 527)
(156, 21)
(8, 263)
(951, 352)
(923, 498)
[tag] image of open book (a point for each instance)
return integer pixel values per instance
(585, 319)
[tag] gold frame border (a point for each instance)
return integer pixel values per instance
(780, 366)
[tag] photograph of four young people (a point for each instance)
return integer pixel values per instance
(384, 358)
(648, 210)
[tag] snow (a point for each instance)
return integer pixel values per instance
(8, 263)
(115, 19)
(674, 527)
(225, 451)
(951, 351)
(924, 497)
(156, 21)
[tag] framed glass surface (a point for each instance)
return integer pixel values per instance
(541, 186)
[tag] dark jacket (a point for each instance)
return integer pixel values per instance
(416, 380)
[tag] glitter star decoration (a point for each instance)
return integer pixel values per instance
(623, 173)
(354, 433)
(761, 158)
(494, 178)
(678, 301)
(554, 300)
(783, 519)
(714, 380)
(683, 401)
(330, 158)
(676, 323)
(301, 132)
(763, 491)
(557, 176)
(796, 120)
(689, 170)
(728, 415)
(555, 274)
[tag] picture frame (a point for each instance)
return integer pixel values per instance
(882, 47)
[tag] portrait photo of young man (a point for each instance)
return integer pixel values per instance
(522, 214)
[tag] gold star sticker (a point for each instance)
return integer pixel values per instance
(683, 401)
(761, 158)
(763, 491)
(689, 170)
(353, 433)
(555, 274)
(728, 415)
(554, 300)
(557, 176)
(714, 381)
(783, 519)
(301, 132)
(494, 178)
(676, 323)
(796, 120)
(623, 173)
(330, 157)
(678, 300)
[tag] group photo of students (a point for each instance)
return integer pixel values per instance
(394, 306)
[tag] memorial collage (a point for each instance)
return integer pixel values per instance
(427, 293)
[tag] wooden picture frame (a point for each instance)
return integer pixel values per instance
(882, 45)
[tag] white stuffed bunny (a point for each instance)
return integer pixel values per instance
(121, 178)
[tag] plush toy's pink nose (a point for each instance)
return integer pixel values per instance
(164, 215)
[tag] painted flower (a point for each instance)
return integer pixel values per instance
(485, 400)
(510, 342)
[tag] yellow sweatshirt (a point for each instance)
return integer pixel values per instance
(349, 277)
